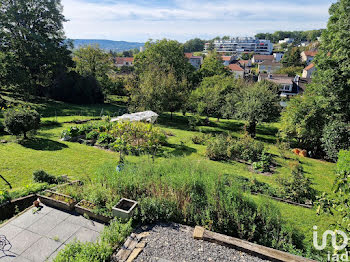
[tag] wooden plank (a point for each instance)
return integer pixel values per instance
(134, 254)
(251, 248)
(198, 232)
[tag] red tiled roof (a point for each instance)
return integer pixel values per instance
(226, 58)
(264, 57)
(121, 60)
(310, 66)
(188, 55)
(310, 53)
(244, 62)
(235, 67)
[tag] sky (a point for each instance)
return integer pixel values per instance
(141, 20)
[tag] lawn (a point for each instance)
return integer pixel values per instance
(19, 159)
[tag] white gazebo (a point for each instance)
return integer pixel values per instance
(147, 116)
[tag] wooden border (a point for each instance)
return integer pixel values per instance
(283, 200)
(247, 247)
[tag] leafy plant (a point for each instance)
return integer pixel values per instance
(41, 176)
(201, 139)
(21, 120)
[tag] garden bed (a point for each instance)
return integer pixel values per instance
(13, 207)
(57, 200)
(85, 207)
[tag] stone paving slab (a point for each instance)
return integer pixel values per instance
(38, 235)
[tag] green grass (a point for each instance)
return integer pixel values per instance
(45, 151)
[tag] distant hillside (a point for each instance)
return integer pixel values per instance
(117, 46)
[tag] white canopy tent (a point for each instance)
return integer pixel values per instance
(147, 116)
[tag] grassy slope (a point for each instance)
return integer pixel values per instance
(54, 156)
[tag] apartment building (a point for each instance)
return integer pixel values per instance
(241, 45)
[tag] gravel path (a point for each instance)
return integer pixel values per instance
(174, 243)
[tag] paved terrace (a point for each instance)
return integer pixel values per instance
(39, 236)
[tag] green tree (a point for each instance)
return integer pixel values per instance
(21, 120)
(167, 55)
(291, 70)
(256, 103)
(292, 58)
(213, 65)
(194, 45)
(328, 97)
(209, 97)
(159, 91)
(92, 61)
(31, 31)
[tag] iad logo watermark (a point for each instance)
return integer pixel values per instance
(344, 256)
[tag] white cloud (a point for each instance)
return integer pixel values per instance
(188, 18)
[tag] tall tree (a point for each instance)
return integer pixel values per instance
(163, 77)
(256, 103)
(194, 45)
(213, 65)
(31, 31)
(329, 93)
(209, 98)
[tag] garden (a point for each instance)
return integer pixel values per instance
(195, 175)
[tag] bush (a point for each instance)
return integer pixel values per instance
(21, 121)
(264, 164)
(217, 148)
(201, 139)
(298, 187)
(343, 164)
(111, 237)
(194, 121)
(22, 191)
(153, 210)
(41, 176)
(335, 136)
(247, 149)
(93, 135)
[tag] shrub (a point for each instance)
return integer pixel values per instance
(194, 121)
(22, 191)
(105, 139)
(343, 164)
(153, 210)
(217, 148)
(298, 187)
(21, 121)
(201, 139)
(41, 176)
(246, 148)
(264, 164)
(84, 251)
(93, 135)
(111, 237)
(335, 136)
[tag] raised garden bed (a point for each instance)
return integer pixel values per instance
(85, 207)
(124, 209)
(57, 200)
(75, 182)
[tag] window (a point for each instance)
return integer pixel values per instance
(287, 88)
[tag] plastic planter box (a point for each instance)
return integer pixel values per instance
(124, 209)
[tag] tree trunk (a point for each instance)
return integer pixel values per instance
(251, 129)
(171, 115)
(25, 135)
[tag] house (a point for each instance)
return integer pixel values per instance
(245, 63)
(286, 83)
(289, 86)
(278, 56)
(124, 61)
(269, 67)
(237, 71)
(309, 70)
(286, 41)
(195, 61)
(226, 60)
(262, 58)
(240, 45)
(308, 56)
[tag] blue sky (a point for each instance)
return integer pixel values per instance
(140, 20)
